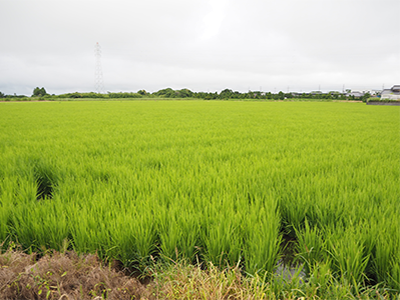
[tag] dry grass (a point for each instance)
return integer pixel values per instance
(183, 281)
(64, 276)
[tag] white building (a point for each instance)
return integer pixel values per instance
(391, 94)
(373, 92)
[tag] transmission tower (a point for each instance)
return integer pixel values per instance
(98, 73)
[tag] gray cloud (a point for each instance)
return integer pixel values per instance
(201, 45)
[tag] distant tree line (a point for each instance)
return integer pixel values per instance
(4, 96)
(230, 94)
(226, 94)
(37, 92)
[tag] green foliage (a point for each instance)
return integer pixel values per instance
(38, 92)
(142, 92)
(93, 95)
(77, 95)
(125, 95)
(170, 93)
(365, 97)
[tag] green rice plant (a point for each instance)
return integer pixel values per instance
(348, 257)
(27, 190)
(329, 211)
(311, 247)
(320, 277)
(179, 234)
(134, 235)
(40, 223)
(45, 180)
(82, 232)
(5, 212)
(286, 287)
(394, 274)
(261, 249)
(144, 235)
(7, 191)
(187, 244)
(169, 233)
(222, 239)
(26, 213)
(26, 221)
(382, 257)
(294, 209)
(385, 255)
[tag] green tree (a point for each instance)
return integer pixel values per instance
(185, 93)
(37, 92)
(168, 93)
(365, 97)
(226, 94)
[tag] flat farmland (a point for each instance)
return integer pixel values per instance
(232, 183)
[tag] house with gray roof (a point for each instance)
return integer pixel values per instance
(355, 94)
(391, 94)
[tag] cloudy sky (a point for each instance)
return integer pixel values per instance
(203, 45)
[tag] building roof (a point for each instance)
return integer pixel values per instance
(355, 94)
(391, 92)
(396, 88)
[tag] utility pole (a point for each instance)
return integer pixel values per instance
(98, 72)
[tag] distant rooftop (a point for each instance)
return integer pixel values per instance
(396, 88)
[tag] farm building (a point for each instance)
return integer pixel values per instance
(391, 94)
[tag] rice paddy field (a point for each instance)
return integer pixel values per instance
(248, 184)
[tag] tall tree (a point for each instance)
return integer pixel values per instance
(37, 92)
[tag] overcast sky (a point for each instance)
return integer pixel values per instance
(202, 45)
